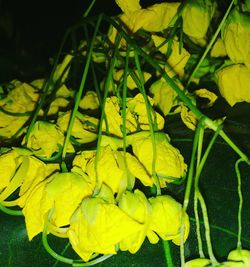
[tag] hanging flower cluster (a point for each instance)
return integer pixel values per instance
(81, 159)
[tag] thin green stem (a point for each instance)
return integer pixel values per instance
(167, 253)
(80, 91)
(66, 260)
(86, 13)
(10, 211)
(196, 188)
(207, 229)
(150, 121)
(237, 171)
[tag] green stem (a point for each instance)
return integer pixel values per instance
(10, 211)
(237, 171)
(207, 230)
(150, 121)
(80, 91)
(167, 253)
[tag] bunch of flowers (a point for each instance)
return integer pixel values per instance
(79, 162)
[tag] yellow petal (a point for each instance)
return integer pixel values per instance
(137, 207)
(34, 213)
(84, 127)
(188, 118)
(9, 162)
(66, 191)
(137, 107)
(218, 49)
(204, 93)
(145, 18)
(128, 6)
(196, 17)
(198, 263)
(62, 69)
(234, 83)
(130, 82)
(163, 95)
(89, 101)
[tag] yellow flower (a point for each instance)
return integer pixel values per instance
(21, 99)
(188, 117)
(166, 219)
(84, 128)
(169, 164)
(111, 168)
(61, 192)
(234, 83)
(196, 16)
(136, 115)
(236, 37)
(138, 208)
(204, 93)
(45, 138)
(163, 95)
(239, 255)
(198, 263)
(218, 49)
(145, 18)
(130, 82)
(89, 101)
(61, 100)
(177, 59)
(23, 172)
(99, 225)
(138, 108)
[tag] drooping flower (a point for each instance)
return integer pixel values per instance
(61, 193)
(136, 115)
(234, 83)
(177, 58)
(196, 16)
(169, 163)
(236, 37)
(144, 18)
(111, 168)
(89, 101)
(167, 219)
(131, 84)
(84, 128)
(45, 138)
(136, 205)
(239, 255)
(99, 225)
(21, 99)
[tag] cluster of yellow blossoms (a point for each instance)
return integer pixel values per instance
(95, 203)
(67, 204)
